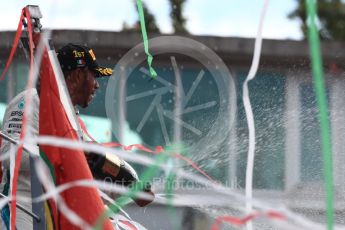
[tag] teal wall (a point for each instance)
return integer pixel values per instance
(311, 155)
(3, 88)
(267, 96)
(2, 112)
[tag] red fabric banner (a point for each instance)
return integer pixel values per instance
(69, 165)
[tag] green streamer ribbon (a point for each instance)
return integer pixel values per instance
(145, 40)
(169, 187)
(319, 86)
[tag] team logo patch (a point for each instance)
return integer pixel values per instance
(92, 55)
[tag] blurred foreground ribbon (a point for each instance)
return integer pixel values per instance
(145, 39)
(319, 87)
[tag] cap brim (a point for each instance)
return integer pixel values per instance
(103, 72)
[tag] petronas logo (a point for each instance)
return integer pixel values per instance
(21, 104)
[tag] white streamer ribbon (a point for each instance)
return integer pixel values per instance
(250, 116)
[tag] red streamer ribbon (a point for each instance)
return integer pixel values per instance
(242, 221)
(159, 149)
(25, 14)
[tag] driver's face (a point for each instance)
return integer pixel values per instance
(89, 89)
(83, 87)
